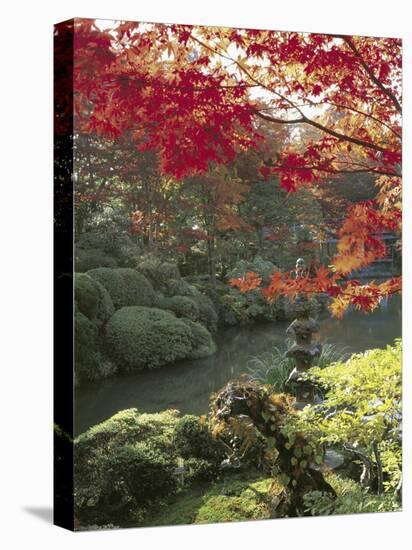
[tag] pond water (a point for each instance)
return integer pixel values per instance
(187, 385)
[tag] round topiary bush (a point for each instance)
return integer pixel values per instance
(180, 287)
(142, 472)
(112, 281)
(92, 299)
(138, 290)
(86, 259)
(126, 286)
(207, 312)
(158, 272)
(123, 466)
(182, 306)
(147, 337)
(85, 346)
(202, 341)
(89, 362)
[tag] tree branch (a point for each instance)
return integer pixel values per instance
(369, 72)
(342, 137)
(333, 170)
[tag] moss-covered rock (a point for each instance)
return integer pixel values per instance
(147, 337)
(202, 341)
(235, 498)
(237, 501)
(92, 299)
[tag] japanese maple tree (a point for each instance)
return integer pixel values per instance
(195, 94)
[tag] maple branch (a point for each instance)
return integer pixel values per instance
(342, 137)
(243, 69)
(333, 170)
(121, 78)
(304, 119)
(269, 118)
(369, 72)
(367, 115)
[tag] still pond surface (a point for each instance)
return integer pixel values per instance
(188, 384)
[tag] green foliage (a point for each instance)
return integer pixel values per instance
(107, 237)
(352, 498)
(275, 367)
(158, 272)
(123, 465)
(244, 307)
(87, 259)
(363, 400)
(137, 475)
(236, 498)
(126, 286)
(200, 470)
(90, 363)
(182, 306)
(202, 341)
(258, 265)
(193, 439)
(180, 287)
(147, 337)
(92, 299)
(137, 289)
(112, 281)
(271, 368)
(207, 312)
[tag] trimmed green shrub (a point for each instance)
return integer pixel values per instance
(199, 469)
(138, 290)
(108, 242)
(147, 337)
(193, 440)
(207, 312)
(86, 259)
(85, 343)
(90, 363)
(182, 306)
(128, 427)
(159, 300)
(112, 281)
(124, 465)
(92, 299)
(137, 475)
(159, 273)
(126, 286)
(202, 341)
(180, 287)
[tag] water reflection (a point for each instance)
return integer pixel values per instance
(187, 385)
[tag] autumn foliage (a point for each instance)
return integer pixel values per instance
(196, 96)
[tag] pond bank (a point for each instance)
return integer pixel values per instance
(187, 384)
